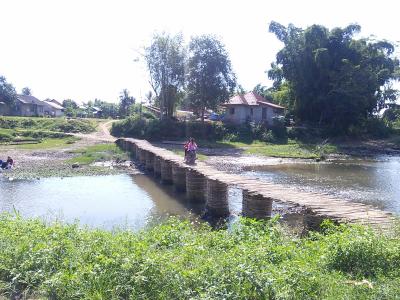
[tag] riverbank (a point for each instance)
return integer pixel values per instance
(237, 156)
(73, 156)
(178, 260)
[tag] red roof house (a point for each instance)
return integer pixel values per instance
(251, 107)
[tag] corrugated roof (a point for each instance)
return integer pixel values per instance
(54, 105)
(251, 99)
(29, 100)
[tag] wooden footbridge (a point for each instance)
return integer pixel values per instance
(203, 183)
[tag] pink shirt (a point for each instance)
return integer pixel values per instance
(192, 146)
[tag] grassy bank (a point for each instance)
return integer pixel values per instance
(175, 260)
(41, 133)
(49, 124)
(95, 153)
(291, 149)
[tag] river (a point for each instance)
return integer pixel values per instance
(371, 181)
(135, 201)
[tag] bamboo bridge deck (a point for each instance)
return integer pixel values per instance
(320, 205)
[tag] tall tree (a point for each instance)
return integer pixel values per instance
(70, 108)
(8, 94)
(165, 59)
(26, 91)
(125, 102)
(107, 109)
(336, 80)
(210, 78)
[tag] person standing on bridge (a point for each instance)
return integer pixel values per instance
(190, 151)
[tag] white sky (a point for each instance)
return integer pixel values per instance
(83, 49)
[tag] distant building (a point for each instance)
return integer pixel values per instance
(29, 106)
(251, 107)
(54, 101)
(52, 108)
(4, 109)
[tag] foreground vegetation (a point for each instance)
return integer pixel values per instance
(177, 260)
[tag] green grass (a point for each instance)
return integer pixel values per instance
(176, 260)
(292, 149)
(49, 143)
(100, 152)
(49, 124)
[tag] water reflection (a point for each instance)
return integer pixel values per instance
(98, 201)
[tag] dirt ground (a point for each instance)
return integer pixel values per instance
(52, 162)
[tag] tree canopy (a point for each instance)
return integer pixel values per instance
(26, 91)
(7, 92)
(210, 78)
(335, 80)
(125, 102)
(165, 59)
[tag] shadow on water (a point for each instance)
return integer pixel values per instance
(166, 198)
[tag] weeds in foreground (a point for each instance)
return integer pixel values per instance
(176, 260)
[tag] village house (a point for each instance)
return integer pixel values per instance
(29, 106)
(52, 108)
(251, 107)
(4, 109)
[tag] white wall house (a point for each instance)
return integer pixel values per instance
(53, 109)
(251, 107)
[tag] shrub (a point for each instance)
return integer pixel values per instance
(362, 253)
(5, 137)
(377, 127)
(279, 129)
(268, 137)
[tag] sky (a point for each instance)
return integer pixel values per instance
(84, 49)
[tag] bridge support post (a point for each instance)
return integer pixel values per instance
(217, 198)
(122, 144)
(195, 186)
(142, 156)
(132, 149)
(256, 206)
(166, 172)
(149, 161)
(157, 166)
(179, 177)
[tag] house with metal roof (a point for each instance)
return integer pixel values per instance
(53, 109)
(251, 107)
(29, 106)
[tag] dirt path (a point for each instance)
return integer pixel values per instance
(53, 162)
(101, 135)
